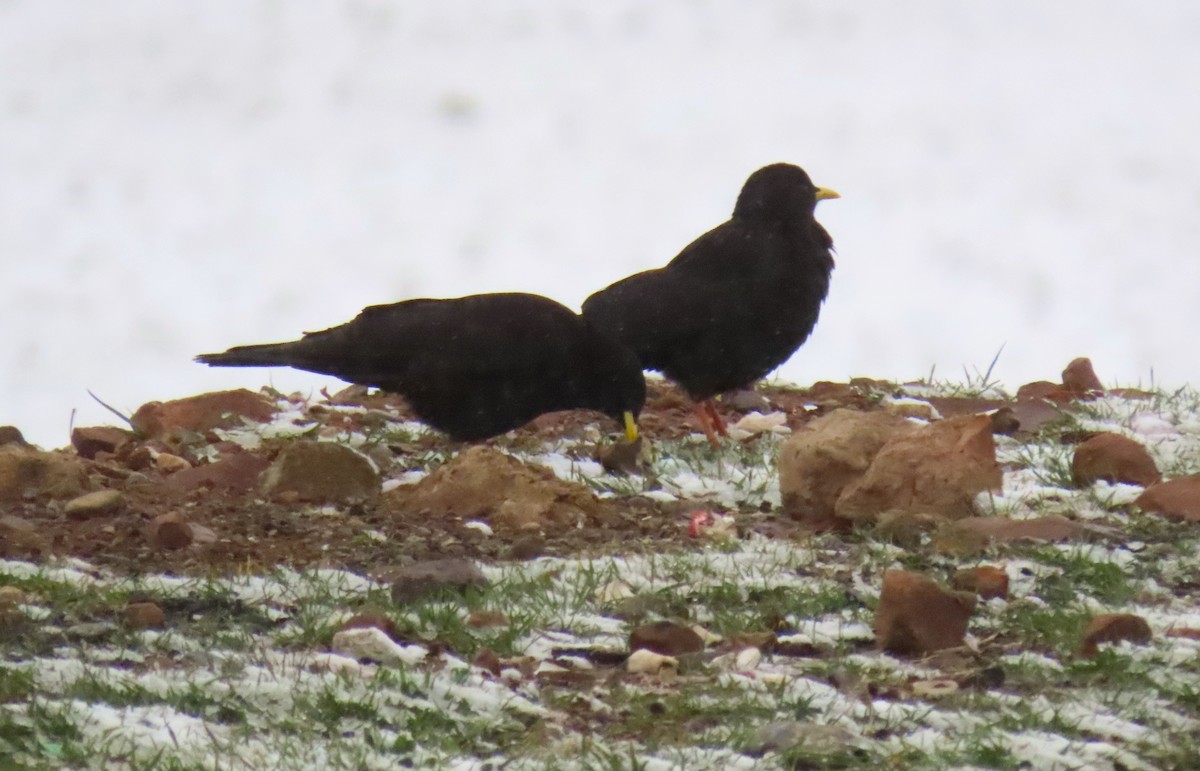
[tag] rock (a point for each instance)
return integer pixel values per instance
(511, 495)
(829, 453)
(202, 413)
(486, 618)
(814, 740)
(643, 661)
(144, 615)
(755, 423)
(90, 440)
(11, 596)
(321, 472)
(1113, 627)
(488, 660)
(1005, 421)
(1044, 390)
(1079, 378)
(26, 472)
(1113, 458)
(667, 638)
(746, 400)
(415, 581)
(985, 581)
(373, 620)
(934, 689)
(170, 532)
(621, 457)
(743, 660)
(1175, 499)
(527, 548)
(239, 472)
(12, 435)
(95, 504)
(916, 616)
(935, 469)
(202, 535)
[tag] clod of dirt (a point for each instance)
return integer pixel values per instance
(977, 533)
(144, 615)
(20, 538)
(482, 483)
(1080, 378)
(202, 413)
(1113, 627)
(936, 469)
(170, 531)
(1175, 499)
(97, 504)
(916, 616)
(238, 472)
(89, 440)
(321, 472)
(1113, 458)
(12, 435)
(26, 472)
(817, 464)
(667, 638)
(375, 620)
(412, 582)
(985, 581)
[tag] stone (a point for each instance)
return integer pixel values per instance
(321, 472)
(171, 531)
(1177, 498)
(202, 413)
(373, 620)
(829, 453)
(1044, 390)
(480, 619)
(1113, 627)
(915, 616)
(12, 435)
(935, 469)
(1115, 459)
(667, 638)
(89, 440)
(420, 579)
(975, 534)
(144, 615)
(11, 596)
(1079, 378)
(986, 582)
(170, 464)
(509, 494)
(95, 504)
(527, 548)
(26, 472)
(369, 642)
(20, 538)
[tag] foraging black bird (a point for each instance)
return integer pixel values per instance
(473, 367)
(735, 303)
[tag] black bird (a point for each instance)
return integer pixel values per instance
(473, 367)
(737, 301)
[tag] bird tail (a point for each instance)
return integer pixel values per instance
(268, 355)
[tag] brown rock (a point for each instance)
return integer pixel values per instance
(26, 472)
(1113, 458)
(90, 440)
(935, 469)
(1005, 422)
(375, 620)
(237, 473)
(20, 538)
(667, 638)
(11, 596)
(12, 435)
(488, 660)
(527, 548)
(974, 533)
(321, 472)
(1113, 627)
(144, 615)
(170, 464)
(985, 581)
(830, 452)
(412, 582)
(220, 409)
(1175, 499)
(95, 504)
(511, 495)
(1045, 390)
(485, 618)
(916, 616)
(202, 535)
(170, 532)
(1079, 378)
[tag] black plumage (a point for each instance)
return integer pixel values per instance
(473, 367)
(735, 303)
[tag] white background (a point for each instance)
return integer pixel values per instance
(178, 177)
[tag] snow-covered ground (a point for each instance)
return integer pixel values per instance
(178, 177)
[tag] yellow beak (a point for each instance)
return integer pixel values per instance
(824, 193)
(631, 432)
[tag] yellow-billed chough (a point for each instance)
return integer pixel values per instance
(737, 301)
(473, 367)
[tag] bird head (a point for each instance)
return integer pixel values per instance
(780, 191)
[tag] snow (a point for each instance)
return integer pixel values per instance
(182, 177)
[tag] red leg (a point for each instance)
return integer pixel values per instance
(718, 422)
(705, 420)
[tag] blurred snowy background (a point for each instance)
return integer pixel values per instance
(178, 177)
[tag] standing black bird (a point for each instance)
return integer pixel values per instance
(737, 301)
(473, 367)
